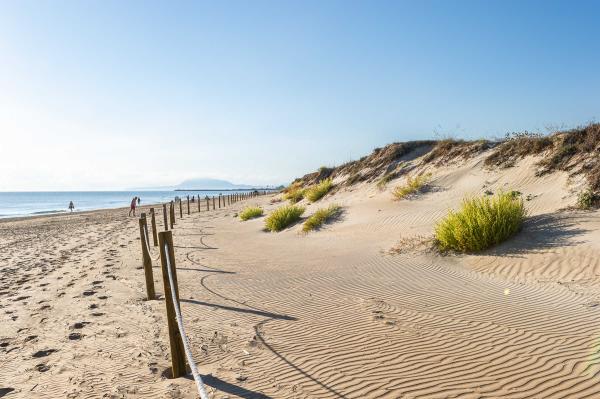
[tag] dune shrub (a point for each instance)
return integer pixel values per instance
(318, 191)
(321, 216)
(251, 212)
(283, 217)
(413, 185)
(588, 199)
(481, 223)
(294, 195)
(384, 180)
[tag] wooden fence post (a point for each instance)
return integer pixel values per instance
(146, 259)
(165, 217)
(177, 351)
(188, 204)
(198, 202)
(172, 214)
(180, 209)
(207, 204)
(153, 220)
(219, 201)
(213, 202)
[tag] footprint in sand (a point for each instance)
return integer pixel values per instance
(43, 353)
(5, 391)
(79, 325)
(75, 336)
(42, 368)
(103, 297)
(88, 293)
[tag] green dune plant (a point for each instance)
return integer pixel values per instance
(283, 217)
(413, 186)
(251, 212)
(481, 223)
(588, 199)
(321, 216)
(384, 180)
(318, 191)
(294, 194)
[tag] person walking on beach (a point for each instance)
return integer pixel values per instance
(139, 200)
(71, 206)
(133, 204)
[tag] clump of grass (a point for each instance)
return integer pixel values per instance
(385, 179)
(251, 212)
(283, 217)
(588, 199)
(294, 194)
(413, 185)
(321, 216)
(316, 192)
(481, 223)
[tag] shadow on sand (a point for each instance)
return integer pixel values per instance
(543, 232)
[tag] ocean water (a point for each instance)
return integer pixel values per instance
(14, 204)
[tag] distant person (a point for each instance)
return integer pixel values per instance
(71, 206)
(133, 204)
(139, 200)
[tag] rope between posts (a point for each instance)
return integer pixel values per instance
(186, 342)
(147, 240)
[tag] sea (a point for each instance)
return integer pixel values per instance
(16, 204)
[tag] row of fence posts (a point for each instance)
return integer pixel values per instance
(164, 240)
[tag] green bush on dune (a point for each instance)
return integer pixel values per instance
(481, 223)
(283, 217)
(413, 185)
(251, 212)
(294, 194)
(321, 216)
(316, 192)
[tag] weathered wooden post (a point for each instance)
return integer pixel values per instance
(180, 209)
(213, 202)
(165, 217)
(198, 202)
(146, 259)
(188, 204)
(153, 220)
(172, 215)
(219, 201)
(207, 204)
(167, 261)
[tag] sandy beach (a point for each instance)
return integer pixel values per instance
(359, 309)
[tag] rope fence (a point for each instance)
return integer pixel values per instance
(179, 342)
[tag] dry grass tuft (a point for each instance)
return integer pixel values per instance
(322, 216)
(481, 223)
(413, 186)
(283, 217)
(318, 191)
(251, 212)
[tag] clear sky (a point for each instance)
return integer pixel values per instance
(118, 94)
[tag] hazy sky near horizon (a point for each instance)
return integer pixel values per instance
(119, 94)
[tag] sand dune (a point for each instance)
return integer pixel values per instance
(329, 314)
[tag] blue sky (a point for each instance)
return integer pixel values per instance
(110, 95)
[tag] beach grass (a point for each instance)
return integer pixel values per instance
(588, 199)
(318, 191)
(294, 194)
(283, 217)
(384, 180)
(413, 185)
(321, 216)
(481, 223)
(251, 212)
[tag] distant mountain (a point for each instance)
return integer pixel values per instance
(209, 184)
(201, 184)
